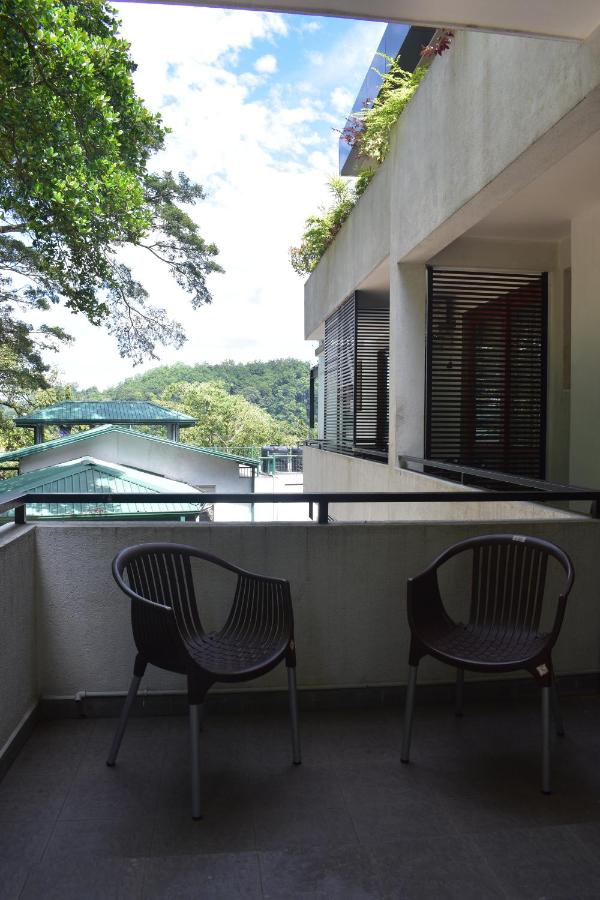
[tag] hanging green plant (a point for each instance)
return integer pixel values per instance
(369, 130)
(377, 121)
(320, 230)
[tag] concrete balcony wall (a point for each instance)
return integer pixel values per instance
(326, 471)
(361, 244)
(348, 587)
(491, 115)
(18, 656)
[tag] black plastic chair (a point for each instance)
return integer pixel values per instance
(502, 633)
(257, 636)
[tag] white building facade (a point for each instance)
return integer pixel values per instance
(492, 179)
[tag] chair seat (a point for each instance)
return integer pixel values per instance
(228, 656)
(480, 646)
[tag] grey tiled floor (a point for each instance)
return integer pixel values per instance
(464, 820)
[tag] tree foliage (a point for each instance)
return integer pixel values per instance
(279, 386)
(24, 400)
(75, 143)
(321, 229)
(224, 419)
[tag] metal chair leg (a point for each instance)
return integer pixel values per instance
(293, 698)
(408, 713)
(546, 739)
(460, 685)
(131, 695)
(554, 697)
(196, 715)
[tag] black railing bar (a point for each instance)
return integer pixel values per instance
(492, 474)
(316, 497)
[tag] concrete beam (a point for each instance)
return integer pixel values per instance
(543, 18)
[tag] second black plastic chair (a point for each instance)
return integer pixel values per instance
(168, 633)
(502, 633)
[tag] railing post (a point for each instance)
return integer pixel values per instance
(20, 517)
(323, 512)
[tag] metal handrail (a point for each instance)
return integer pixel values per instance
(19, 501)
(486, 474)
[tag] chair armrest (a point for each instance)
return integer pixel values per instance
(426, 611)
(138, 598)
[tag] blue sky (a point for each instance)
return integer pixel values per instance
(252, 100)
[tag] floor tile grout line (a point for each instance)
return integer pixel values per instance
(52, 830)
(68, 792)
(260, 873)
(469, 840)
(593, 858)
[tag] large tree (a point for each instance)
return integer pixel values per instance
(75, 188)
(224, 419)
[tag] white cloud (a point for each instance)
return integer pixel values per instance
(315, 58)
(341, 100)
(266, 64)
(310, 26)
(264, 158)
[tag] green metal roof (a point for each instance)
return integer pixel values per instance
(95, 412)
(11, 455)
(89, 475)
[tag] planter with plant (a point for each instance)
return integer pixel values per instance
(369, 130)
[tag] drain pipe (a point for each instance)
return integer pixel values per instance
(80, 696)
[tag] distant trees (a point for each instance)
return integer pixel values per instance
(23, 400)
(237, 404)
(224, 419)
(279, 386)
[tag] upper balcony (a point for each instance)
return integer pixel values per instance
(491, 115)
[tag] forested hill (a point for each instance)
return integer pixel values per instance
(279, 386)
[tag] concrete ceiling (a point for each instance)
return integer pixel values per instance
(379, 279)
(551, 18)
(543, 210)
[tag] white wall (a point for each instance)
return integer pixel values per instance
(18, 657)
(175, 462)
(348, 587)
(490, 116)
(326, 471)
(585, 368)
(408, 294)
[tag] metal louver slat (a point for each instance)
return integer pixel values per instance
(486, 370)
(372, 392)
(339, 376)
(356, 393)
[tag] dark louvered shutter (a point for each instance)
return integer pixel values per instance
(372, 392)
(356, 392)
(339, 376)
(486, 370)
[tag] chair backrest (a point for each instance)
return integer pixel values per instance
(509, 578)
(159, 580)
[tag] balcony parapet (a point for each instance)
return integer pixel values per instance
(362, 243)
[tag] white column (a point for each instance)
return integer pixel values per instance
(408, 309)
(585, 350)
